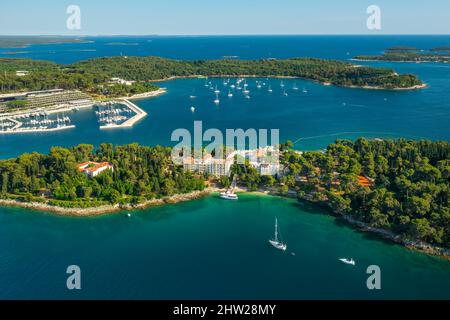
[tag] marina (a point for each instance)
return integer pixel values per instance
(40, 111)
(51, 110)
(35, 122)
(119, 114)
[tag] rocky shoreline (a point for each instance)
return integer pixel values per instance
(106, 209)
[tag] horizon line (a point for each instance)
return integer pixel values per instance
(224, 35)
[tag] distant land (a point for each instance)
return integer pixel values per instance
(410, 54)
(25, 41)
(94, 76)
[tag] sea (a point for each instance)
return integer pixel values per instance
(215, 249)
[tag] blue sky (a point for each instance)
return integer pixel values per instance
(209, 17)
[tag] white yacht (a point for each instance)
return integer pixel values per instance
(275, 242)
(229, 194)
(348, 261)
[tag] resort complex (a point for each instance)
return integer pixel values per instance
(264, 160)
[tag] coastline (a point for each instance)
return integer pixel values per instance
(106, 209)
(388, 235)
(21, 130)
(145, 95)
(399, 61)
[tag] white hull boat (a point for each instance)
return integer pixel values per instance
(348, 261)
(275, 242)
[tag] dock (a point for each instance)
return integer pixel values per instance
(32, 130)
(140, 114)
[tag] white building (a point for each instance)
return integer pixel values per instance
(122, 81)
(92, 169)
(265, 160)
(21, 73)
(208, 164)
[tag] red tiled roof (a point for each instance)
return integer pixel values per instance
(363, 181)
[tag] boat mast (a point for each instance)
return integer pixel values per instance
(276, 230)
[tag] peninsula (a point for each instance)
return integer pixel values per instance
(397, 188)
(126, 76)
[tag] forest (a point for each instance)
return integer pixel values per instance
(140, 173)
(93, 76)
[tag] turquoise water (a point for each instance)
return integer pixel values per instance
(215, 249)
(208, 248)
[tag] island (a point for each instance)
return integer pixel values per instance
(135, 75)
(25, 41)
(410, 54)
(399, 189)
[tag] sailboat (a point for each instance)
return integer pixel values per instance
(294, 87)
(270, 89)
(305, 91)
(217, 101)
(245, 91)
(284, 93)
(230, 94)
(216, 90)
(229, 194)
(281, 84)
(192, 109)
(274, 242)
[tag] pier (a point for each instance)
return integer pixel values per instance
(139, 115)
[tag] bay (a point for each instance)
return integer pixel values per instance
(207, 249)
